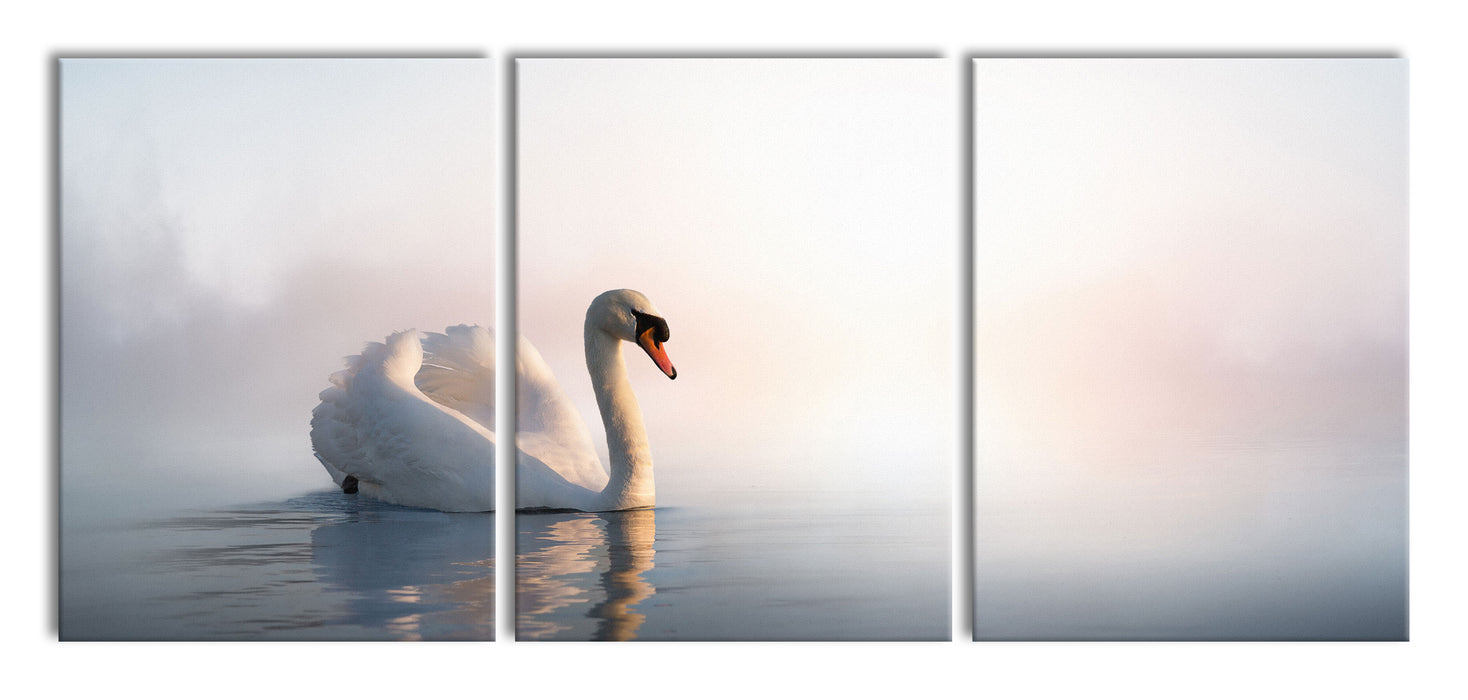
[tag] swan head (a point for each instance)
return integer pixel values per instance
(627, 315)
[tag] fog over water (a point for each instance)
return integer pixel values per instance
(1191, 348)
(230, 229)
(1191, 303)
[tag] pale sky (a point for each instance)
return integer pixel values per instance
(230, 229)
(1203, 222)
(794, 220)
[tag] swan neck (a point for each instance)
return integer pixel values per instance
(631, 482)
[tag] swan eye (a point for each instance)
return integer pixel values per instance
(656, 323)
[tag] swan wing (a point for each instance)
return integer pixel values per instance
(334, 437)
(458, 371)
(550, 429)
(403, 447)
(412, 421)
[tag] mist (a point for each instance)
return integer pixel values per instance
(1191, 348)
(230, 230)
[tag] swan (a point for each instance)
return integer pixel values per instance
(411, 420)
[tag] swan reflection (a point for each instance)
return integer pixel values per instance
(414, 574)
(576, 568)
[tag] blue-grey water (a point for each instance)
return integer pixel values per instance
(1228, 539)
(323, 566)
(327, 566)
(764, 566)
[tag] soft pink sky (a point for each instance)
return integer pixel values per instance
(1190, 246)
(795, 220)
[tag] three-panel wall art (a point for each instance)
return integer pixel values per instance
(806, 349)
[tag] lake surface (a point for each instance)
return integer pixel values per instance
(323, 566)
(1221, 539)
(787, 566)
(326, 566)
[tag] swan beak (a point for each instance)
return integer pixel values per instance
(654, 349)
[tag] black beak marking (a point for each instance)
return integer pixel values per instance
(656, 323)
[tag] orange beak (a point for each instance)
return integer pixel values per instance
(655, 350)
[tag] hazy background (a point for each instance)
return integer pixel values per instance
(795, 221)
(230, 229)
(1191, 347)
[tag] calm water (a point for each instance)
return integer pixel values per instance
(777, 567)
(320, 567)
(1228, 540)
(325, 566)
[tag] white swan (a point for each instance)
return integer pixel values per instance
(411, 421)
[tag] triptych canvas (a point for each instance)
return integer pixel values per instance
(798, 349)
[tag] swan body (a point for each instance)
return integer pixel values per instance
(411, 420)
